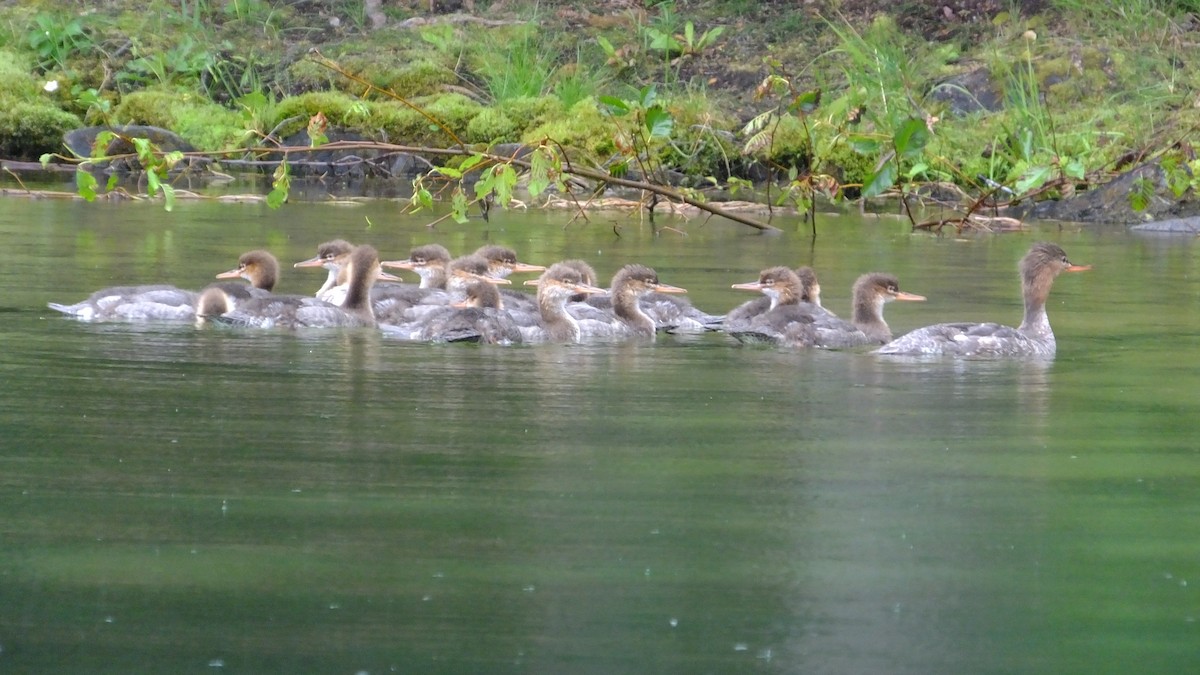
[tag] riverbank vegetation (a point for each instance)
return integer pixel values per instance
(983, 101)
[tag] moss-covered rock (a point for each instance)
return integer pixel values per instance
(29, 129)
(492, 125)
(206, 125)
(583, 127)
(15, 81)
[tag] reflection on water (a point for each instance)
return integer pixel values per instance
(181, 500)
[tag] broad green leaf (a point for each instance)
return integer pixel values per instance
(1074, 168)
(152, 183)
(100, 145)
(458, 206)
(606, 46)
(917, 169)
(659, 122)
(881, 181)
(540, 163)
(470, 162)
(1034, 178)
(865, 145)
(615, 105)
(85, 183)
(911, 138)
(168, 191)
(448, 172)
(647, 96)
(45, 159)
(1140, 194)
(807, 101)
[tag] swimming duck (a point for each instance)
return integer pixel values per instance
(794, 323)
(1038, 268)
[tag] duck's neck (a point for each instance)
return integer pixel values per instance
(629, 311)
(358, 298)
(1036, 323)
(331, 280)
(868, 317)
(432, 276)
(560, 325)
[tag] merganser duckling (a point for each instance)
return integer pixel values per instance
(794, 323)
(292, 311)
(478, 318)
(739, 317)
(161, 302)
(428, 261)
(154, 302)
(502, 261)
(628, 315)
(556, 285)
(407, 320)
(331, 255)
(1040, 266)
(212, 303)
(363, 269)
(258, 267)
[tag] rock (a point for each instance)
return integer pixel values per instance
(81, 141)
(1188, 226)
(969, 92)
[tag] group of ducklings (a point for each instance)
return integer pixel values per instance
(460, 299)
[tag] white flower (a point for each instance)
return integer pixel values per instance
(50, 87)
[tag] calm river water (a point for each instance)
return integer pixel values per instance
(175, 500)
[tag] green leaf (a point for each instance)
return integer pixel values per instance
(865, 145)
(1141, 193)
(616, 106)
(152, 183)
(917, 169)
(100, 145)
(541, 162)
(881, 181)
(607, 46)
(659, 122)
(911, 138)
(168, 191)
(45, 159)
(458, 206)
(470, 162)
(446, 171)
(1034, 178)
(647, 96)
(85, 183)
(807, 102)
(1074, 169)
(113, 179)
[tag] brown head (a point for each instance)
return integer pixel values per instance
(502, 261)
(328, 254)
(259, 267)
(780, 284)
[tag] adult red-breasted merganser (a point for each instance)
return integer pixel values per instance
(794, 323)
(1040, 266)
(556, 285)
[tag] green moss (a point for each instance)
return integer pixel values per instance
(582, 127)
(204, 124)
(30, 128)
(15, 80)
(341, 110)
(492, 126)
(529, 111)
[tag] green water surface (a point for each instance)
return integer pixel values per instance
(175, 500)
